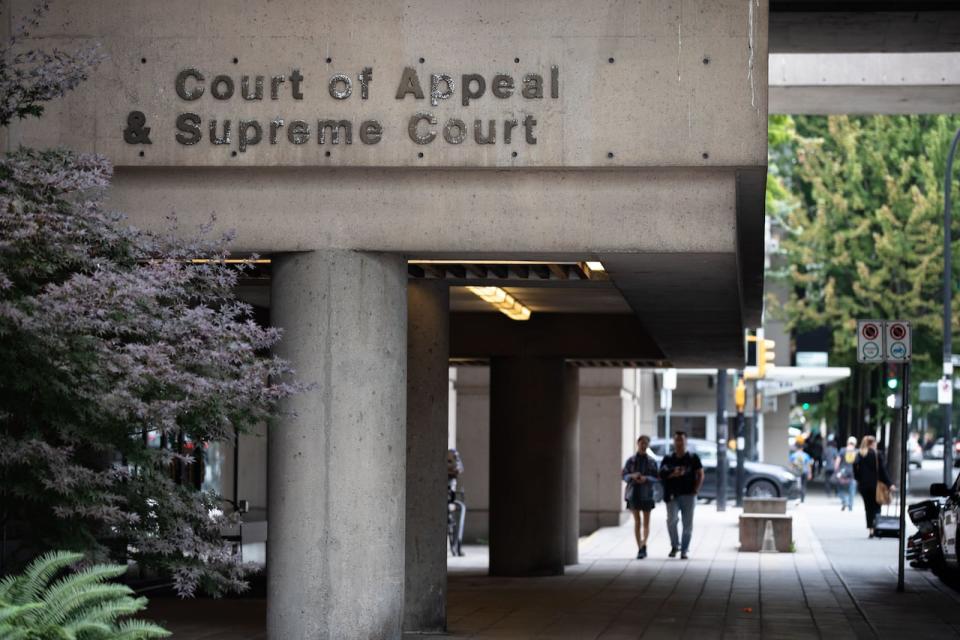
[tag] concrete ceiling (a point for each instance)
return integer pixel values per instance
(863, 26)
(600, 297)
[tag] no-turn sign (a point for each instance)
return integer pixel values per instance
(870, 341)
(897, 341)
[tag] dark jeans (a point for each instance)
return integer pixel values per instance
(869, 495)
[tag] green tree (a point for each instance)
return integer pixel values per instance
(861, 208)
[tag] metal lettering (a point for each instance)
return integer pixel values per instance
(365, 78)
(298, 132)
(295, 79)
(217, 92)
(371, 131)
(340, 94)
(502, 86)
(257, 88)
(508, 126)
(409, 83)
(448, 129)
(243, 134)
(528, 124)
(275, 83)
(189, 124)
(181, 84)
(136, 131)
(214, 138)
(532, 86)
(468, 94)
(274, 127)
(436, 94)
(554, 81)
(335, 126)
(478, 132)
(414, 133)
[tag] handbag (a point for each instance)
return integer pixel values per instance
(883, 489)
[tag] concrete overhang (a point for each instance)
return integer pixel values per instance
(864, 83)
(649, 156)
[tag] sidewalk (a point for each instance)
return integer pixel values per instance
(838, 584)
(822, 590)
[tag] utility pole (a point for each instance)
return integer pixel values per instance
(740, 399)
(947, 316)
(722, 466)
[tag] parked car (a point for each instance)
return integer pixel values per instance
(915, 453)
(948, 567)
(935, 452)
(761, 480)
(923, 547)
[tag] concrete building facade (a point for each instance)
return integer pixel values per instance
(379, 152)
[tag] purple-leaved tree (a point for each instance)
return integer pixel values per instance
(110, 338)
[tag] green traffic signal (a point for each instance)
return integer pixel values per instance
(806, 405)
(891, 383)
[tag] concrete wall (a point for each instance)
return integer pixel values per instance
(473, 442)
(631, 79)
(611, 407)
(602, 435)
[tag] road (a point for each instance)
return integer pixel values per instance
(921, 479)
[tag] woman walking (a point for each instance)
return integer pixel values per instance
(843, 474)
(640, 474)
(869, 469)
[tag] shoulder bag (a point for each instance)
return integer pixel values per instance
(883, 489)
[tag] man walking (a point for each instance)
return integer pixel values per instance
(682, 476)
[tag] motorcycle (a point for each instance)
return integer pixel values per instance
(923, 547)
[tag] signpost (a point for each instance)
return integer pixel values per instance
(891, 341)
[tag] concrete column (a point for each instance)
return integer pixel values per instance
(428, 347)
(527, 519)
(336, 460)
(570, 436)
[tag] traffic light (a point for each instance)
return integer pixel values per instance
(891, 377)
(759, 354)
(806, 406)
(765, 356)
(740, 395)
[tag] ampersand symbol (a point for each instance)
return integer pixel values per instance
(136, 133)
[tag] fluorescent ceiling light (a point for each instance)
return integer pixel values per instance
(466, 261)
(503, 301)
(595, 265)
(232, 261)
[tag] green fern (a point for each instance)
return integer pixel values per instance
(78, 606)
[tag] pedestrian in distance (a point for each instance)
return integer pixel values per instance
(802, 465)
(843, 474)
(829, 465)
(640, 474)
(870, 472)
(682, 475)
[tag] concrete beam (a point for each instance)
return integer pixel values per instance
(828, 27)
(865, 83)
(562, 335)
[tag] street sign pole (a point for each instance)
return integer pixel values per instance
(722, 440)
(947, 308)
(904, 463)
(891, 341)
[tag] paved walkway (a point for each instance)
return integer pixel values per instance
(838, 584)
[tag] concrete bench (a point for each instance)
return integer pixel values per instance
(764, 505)
(753, 525)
